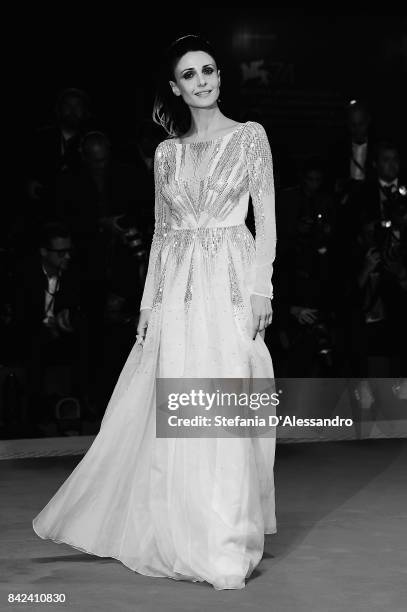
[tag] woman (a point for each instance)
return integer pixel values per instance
(188, 509)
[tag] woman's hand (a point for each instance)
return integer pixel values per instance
(262, 314)
(143, 325)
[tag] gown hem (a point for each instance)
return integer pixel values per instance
(142, 572)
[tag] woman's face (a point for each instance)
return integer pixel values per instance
(197, 79)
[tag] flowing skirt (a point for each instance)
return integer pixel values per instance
(185, 508)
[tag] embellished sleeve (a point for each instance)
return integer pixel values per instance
(160, 230)
(261, 186)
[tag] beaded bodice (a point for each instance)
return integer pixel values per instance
(205, 185)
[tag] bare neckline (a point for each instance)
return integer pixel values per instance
(241, 125)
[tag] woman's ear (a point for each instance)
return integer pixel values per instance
(175, 88)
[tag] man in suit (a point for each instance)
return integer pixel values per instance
(54, 149)
(305, 223)
(381, 192)
(50, 328)
(352, 159)
(381, 268)
(352, 166)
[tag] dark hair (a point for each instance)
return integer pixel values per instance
(169, 110)
(51, 230)
(385, 145)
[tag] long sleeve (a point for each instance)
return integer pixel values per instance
(160, 230)
(261, 186)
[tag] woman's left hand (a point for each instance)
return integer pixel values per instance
(262, 314)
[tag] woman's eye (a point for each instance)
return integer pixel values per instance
(188, 75)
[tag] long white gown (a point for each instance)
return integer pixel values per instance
(186, 508)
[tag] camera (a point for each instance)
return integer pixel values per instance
(396, 209)
(134, 238)
(322, 336)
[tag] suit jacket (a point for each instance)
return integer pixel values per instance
(370, 197)
(356, 330)
(340, 156)
(44, 162)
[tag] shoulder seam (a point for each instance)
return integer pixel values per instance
(159, 146)
(254, 125)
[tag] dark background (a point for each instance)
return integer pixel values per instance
(314, 65)
(294, 73)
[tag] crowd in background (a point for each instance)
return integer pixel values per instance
(341, 265)
(74, 253)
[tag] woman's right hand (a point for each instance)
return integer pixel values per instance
(143, 325)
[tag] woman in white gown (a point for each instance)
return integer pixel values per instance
(187, 508)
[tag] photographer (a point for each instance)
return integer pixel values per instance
(305, 221)
(53, 150)
(94, 203)
(370, 271)
(351, 157)
(49, 325)
(378, 194)
(381, 284)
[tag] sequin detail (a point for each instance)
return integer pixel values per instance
(235, 293)
(189, 289)
(206, 244)
(199, 188)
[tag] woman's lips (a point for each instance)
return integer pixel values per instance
(204, 93)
